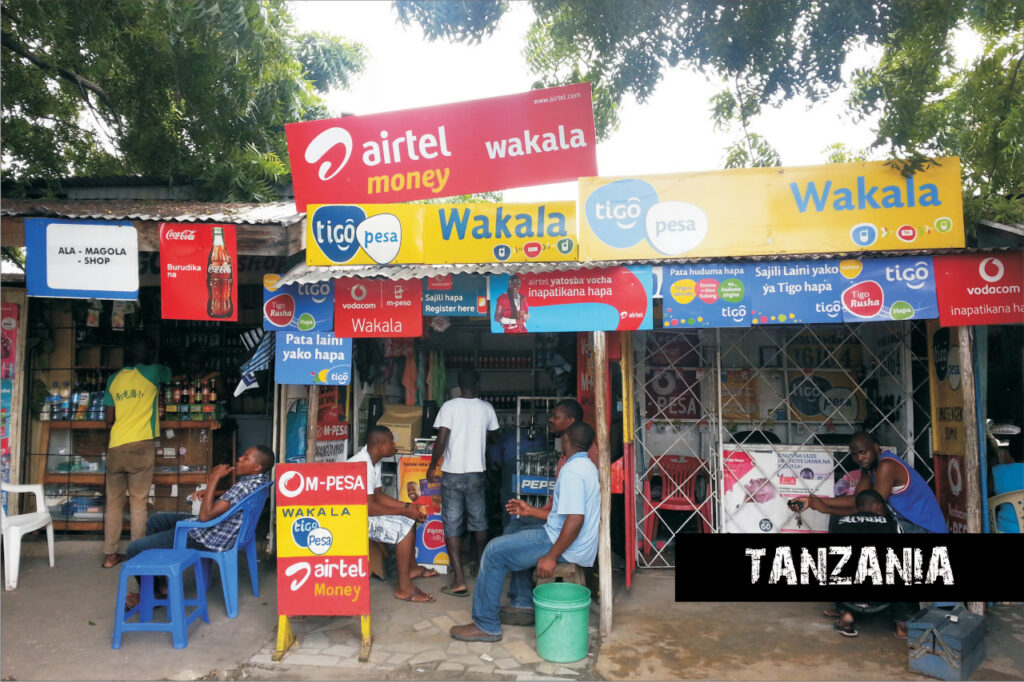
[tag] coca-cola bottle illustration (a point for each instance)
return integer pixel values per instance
(219, 278)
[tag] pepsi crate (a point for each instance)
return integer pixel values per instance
(535, 485)
(946, 643)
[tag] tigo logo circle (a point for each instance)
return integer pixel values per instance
(333, 228)
(617, 212)
(997, 270)
(433, 534)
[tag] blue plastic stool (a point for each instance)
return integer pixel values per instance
(171, 563)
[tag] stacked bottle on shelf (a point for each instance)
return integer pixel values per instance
(189, 401)
(81, 402)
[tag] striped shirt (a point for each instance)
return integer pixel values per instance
(221, 537)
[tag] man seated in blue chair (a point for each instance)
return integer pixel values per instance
(252, 469)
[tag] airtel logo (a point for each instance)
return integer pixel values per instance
(190, 236)
(983, 270)
(325, 142)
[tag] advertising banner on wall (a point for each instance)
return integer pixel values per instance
(944, 388)
(377, 308)
(822, 395)
(415, 488)
(197, 264)
(795, 292)
(322, 541)
(305, 358)
(671, 393)
(459, 295)
(332, 424)
(758, 483)
(530, 138)
(951, 491)
(882, 289)
(835, 208)
(601, 299)
(739, 395)
(380, 234)
(980, 288)
(299, 307)
(81, 259)
(705, 295)
(9, 316)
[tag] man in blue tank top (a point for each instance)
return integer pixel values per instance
(906, 492)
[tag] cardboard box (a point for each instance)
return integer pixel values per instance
(405, 422)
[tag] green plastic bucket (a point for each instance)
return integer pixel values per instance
(562, 613)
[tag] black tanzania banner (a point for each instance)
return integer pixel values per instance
(851, 568)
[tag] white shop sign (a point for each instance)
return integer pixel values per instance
(81, 259)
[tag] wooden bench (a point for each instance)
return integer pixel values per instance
(569, 573)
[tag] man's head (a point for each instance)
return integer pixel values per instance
(469, 381)
(514, 283)
(140, 351)
(380, 442)
(864, 449)
(563, 414)
(195, 358)
(413, 490)
(870, 501)
(580, 436)
(255, 460)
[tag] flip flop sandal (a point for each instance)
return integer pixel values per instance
(831, 613)
(455, 593)
(418, 593)
(427, 573)
(845, 630)
(117, 558)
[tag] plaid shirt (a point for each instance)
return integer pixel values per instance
(221, 537)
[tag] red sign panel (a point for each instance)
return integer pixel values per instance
(980, 288)
(198, 279)
(950, 489)
(377, 308)
(532, 138)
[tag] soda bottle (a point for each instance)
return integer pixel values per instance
(219, 278)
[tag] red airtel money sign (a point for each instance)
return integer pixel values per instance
(322, 539)
(198, 272)
(980, 288)
(531, 138)
(377, 308)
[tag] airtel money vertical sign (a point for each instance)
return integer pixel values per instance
(197, 272)
(531, 138)
(322, 526)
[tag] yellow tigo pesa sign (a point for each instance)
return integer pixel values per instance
(838, 208)
(441, 233)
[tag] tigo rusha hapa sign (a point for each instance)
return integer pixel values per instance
(531, 138)
(881, 289)
(980, 288)
(323, 541)
(762, 211)
(302, 307)
(81, 259)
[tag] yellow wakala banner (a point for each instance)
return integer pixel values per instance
(333, 530)
(441, 233)
(837, 208)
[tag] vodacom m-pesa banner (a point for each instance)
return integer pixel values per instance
(532, 138)
(980, 288)
(322, 526)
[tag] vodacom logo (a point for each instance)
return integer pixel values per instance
(181, 235)
(323, 143)
(983, 270)
(291, 484)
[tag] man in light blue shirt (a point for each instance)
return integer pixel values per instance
(569, 534)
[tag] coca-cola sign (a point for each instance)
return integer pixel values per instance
(198, 272)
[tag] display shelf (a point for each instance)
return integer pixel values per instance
(84, 425)
(99, 477)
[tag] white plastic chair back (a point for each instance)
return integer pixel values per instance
(17, 525)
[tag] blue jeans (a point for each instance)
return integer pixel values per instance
(515, 554)
(518, 584)
(160, 534)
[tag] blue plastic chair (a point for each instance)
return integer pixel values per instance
(250, 507)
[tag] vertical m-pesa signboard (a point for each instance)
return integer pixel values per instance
(81, 259)
(531, 138)
(322, 521)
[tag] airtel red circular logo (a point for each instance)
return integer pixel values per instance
(180, 235)
(433, 534)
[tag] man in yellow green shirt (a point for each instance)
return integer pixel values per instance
(131, 408)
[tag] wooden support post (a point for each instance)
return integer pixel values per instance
(311, 422)
(364, 649)
(285, 638)
(972, 455)
(604, 546)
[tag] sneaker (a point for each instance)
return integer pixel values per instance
(516, 615)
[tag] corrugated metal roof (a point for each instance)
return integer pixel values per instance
(306, 274)
(279, 213)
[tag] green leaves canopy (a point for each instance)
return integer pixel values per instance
(191, 88)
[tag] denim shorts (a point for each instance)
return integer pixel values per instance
(462, 498)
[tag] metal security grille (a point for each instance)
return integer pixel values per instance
(732, 422)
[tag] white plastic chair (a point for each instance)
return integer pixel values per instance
(16, 526)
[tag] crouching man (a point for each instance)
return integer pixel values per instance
(569, 534)
(392, 521)
(252, 470)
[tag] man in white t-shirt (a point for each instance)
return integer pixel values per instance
(392, 521)
(463, 425)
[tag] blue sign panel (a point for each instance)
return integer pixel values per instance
(455, 296)
(705, 295)
(301, 307)
(313, 358)
(877, 290)
(535, 485)
(795, 292)
(81, 259)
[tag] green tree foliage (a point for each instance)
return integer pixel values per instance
(770, 52)
(199, 89)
